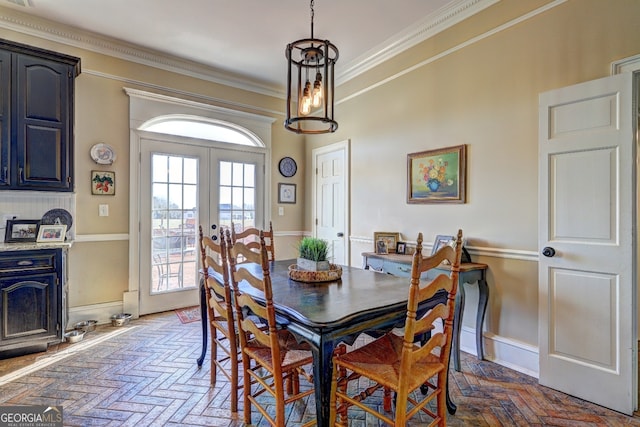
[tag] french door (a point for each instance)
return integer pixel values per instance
(185, 184)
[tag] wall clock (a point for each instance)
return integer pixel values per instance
(287, 167)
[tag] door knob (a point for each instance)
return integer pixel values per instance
(340, 234)
(548, 251)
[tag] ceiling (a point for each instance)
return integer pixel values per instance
(245, 40)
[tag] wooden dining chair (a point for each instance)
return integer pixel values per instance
(250, 237)
(220, 308)
(272, 357)
(396, 363)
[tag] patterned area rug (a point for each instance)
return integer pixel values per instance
(189, 314)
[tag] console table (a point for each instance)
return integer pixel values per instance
(470, 273)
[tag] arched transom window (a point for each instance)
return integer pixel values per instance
(202, 128)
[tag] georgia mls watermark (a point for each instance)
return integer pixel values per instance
(31, 416)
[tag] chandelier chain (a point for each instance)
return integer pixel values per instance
(312, 13)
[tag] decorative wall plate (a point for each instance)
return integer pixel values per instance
(103, 154)
(287, 167)
(57, 216)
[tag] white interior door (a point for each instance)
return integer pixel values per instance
(587, 268)
(330, 202)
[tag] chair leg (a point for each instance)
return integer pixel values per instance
(246, 383)
(214, 354)
(233, 359)
(386, 400)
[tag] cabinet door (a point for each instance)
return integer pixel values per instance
(5, 117)
(29, 308)
(42, 123)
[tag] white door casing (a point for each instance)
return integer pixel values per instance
(587, 215)
(331, 199)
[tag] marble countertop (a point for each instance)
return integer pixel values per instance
(25, 246)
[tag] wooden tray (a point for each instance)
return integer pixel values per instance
(334, 273)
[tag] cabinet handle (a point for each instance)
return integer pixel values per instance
(25, 263)
(405, 269)
(20, 175)
(5, 174)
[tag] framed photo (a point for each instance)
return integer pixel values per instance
(103, 183)
(390, 240)
(381, 247)
(286, 193)
(401, 248)
(21, 230)
(441, 241)
(437, 176)
(52, 233)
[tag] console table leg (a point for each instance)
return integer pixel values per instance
(483, 298)
(457, 326)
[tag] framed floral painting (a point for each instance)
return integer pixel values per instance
(437, 176)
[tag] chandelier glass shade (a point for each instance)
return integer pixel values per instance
(310, 85)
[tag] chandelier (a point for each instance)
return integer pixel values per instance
(310, 106)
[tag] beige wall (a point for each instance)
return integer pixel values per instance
(483, 94)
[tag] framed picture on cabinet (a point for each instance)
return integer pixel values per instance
(52, 233)
(103, 183)
(389, 239)
(21, 230)
(401, 248)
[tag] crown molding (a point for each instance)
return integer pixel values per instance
(431, 25)
(45, 29)
(41, 28)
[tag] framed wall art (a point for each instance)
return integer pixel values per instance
(52, 233)
(286, 193)
(21, 230)
(103, 183)
(389, 239)
(437, 176)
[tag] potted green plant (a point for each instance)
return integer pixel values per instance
(312, 254)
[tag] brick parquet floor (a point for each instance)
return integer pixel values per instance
(146, 375)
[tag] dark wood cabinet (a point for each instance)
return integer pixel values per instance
(36, 120)
(31, 300)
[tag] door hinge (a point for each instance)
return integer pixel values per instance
(57, 281)
(316, 221)
(69, 180)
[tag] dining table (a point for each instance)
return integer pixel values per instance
(325, 314)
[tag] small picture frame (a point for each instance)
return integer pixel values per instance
(440, 242)
(390, 240)
(286, 193)
(52, 233)
(381, 247)
(21, 230)
(103, 183)
(401, 248)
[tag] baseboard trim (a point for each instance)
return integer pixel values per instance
(100, 312)
(512, 354)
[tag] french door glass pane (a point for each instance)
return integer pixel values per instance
(174, 210)
(237, 195)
